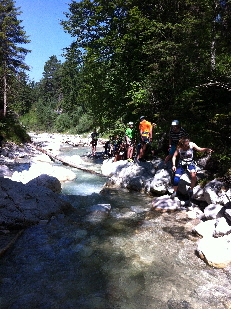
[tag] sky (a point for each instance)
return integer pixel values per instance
(41, 21)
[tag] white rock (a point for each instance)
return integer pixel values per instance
(109, 167)
(211, 191)
(160, 182)
(205, 228)
(222, 227)
(165, 203)
(195, 212)
(214, 211)
(215, 251)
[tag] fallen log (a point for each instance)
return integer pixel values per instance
(58, 158)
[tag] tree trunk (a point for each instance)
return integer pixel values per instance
(4, 90)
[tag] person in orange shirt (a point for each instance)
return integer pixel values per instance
(145, 128)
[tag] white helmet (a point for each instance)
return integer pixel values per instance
(175, 123)
(130, 123)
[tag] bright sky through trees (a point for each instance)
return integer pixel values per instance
(41, 21)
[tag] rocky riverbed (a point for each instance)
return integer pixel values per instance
(25, 193)
(103, 250)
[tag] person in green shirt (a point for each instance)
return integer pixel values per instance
(129, 138)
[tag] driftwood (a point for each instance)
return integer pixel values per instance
(56, 157)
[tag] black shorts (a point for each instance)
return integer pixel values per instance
(145, 139)
(94, 143)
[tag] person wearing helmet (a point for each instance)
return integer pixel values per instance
(175, 134)
(129, 139)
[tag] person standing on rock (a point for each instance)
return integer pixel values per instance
(184, 150)
(175, 134)
(129, 139)
(145, 128)
(94, 139)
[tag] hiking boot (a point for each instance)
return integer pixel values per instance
(173, 195)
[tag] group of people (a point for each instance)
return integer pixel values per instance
(180, 149)
(131, 147)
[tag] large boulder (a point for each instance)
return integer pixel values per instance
(109, 167)
(205, 228)
(210, 193)
(161, 182)
(23, 205)
(46, 181)
(142, 176)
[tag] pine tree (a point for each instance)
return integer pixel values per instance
(51, 81)
(12, 55)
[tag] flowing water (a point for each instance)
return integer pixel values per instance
(132, 259)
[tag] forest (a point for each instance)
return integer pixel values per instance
(165, 59)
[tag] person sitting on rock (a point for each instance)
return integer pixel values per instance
(185, 150)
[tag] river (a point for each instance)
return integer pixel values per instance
(134, 259)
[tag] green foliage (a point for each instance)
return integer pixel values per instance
(85, 123)
(12, 130)
(45, 115)
(29, 121)
(63, 123)
(23, 94)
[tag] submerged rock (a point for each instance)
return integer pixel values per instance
(98, 213)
